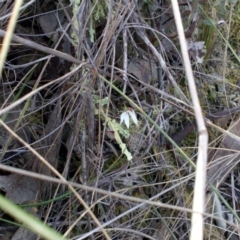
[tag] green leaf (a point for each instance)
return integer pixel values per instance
(104, 101)
(207, 22)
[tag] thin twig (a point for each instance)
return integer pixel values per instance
(197, 228)
(9, 34)
(125, 78)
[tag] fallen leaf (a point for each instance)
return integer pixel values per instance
(144, 70)
(19, 189)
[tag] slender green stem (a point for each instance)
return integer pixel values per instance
(30, 221)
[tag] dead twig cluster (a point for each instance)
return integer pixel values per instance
(94, 101)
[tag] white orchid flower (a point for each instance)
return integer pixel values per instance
(126, 119)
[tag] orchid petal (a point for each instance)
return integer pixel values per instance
(125, 118)
(133, 116)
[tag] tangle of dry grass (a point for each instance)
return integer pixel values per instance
(72, 69)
